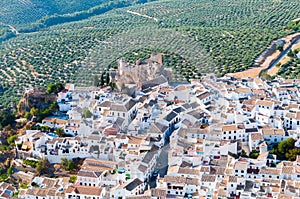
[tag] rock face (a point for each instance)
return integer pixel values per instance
(142, 71)
(35, 98)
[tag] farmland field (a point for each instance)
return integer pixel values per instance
(223, 36)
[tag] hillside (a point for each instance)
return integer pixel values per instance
(24, 16)
(24, 12)
(209, 35)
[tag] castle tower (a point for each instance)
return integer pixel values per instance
(121, 65)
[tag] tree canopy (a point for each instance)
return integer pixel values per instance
(6, 118)
(54, 88)
(286, 150)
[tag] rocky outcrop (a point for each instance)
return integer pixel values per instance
(35, 98)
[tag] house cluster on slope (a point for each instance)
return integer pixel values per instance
(165, 141)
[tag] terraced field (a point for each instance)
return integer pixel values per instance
(210, 35)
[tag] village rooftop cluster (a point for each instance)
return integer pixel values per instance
(211, 138)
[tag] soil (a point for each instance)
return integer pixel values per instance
(254, 72)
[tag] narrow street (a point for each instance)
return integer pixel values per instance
(161, 166)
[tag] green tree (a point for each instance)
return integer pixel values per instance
(70, 165)
(54, 88)
(59, 132)
(291, 53)
(279, 47)
(244, 154)
(43, 166)
(27, 115)
(113, 85)
(11, 139)
(64, 162)
(286, 145)
(291, 155)
(266, 76)
(254, 154)
(73, 179)
(87, 113)
(6, 118)
(34, 111)
(53, 107)
(102, 81)
(9, 171)
(107, 78)
(4, 148)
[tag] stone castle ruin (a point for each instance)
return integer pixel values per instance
(143, 70)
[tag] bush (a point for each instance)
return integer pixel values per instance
(72, 179)
(6, 118)
(31, 163)
(254, 154)
(87, 113)
(4, 148)
(11, 140)
(54, 88)
(23, 186)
